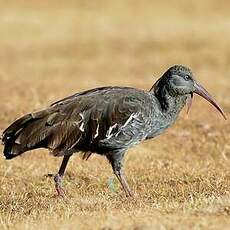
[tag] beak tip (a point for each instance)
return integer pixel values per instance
(201, 91)
(223, 114)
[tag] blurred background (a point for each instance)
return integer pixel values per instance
(52, 49)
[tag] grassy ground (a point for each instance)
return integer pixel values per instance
(51, 49)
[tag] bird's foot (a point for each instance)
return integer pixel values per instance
(59, 189)
(130, 194)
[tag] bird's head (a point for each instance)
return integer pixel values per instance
(178, 80)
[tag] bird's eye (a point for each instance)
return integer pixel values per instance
(186, 77)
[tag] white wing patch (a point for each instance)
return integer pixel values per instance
(97, 132)
(82, 127)
(81, 115)
(108, 134)
(133, 115)
(82, 122)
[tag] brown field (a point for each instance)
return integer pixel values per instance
(51, 49)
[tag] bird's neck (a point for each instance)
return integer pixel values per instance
(170, 105)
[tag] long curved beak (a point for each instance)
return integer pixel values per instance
(200, 90)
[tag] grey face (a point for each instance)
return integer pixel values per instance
(179, 81)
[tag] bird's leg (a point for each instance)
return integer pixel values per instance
(122, 179)
(115, 159)
(58, 177)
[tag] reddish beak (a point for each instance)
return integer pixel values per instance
(200, 90)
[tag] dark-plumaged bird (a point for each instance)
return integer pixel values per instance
(107, 121)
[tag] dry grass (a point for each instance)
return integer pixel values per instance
(49, 50)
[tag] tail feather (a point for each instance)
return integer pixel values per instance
(15, 138)
(48, 128)
(10, 134)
